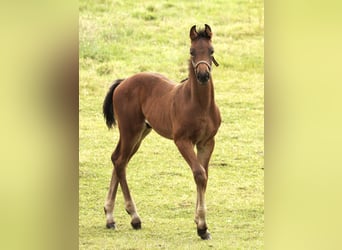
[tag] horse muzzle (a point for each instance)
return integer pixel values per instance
(203, 77)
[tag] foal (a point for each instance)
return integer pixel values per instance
(185, 113)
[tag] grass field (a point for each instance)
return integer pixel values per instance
(120, 38)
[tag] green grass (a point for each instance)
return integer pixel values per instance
(120, 38)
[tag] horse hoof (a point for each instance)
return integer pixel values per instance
(136, 225)
(110, 225)
(204, 234)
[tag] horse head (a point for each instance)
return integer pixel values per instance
(201, 52)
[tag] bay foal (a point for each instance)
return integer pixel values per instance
(185, 113)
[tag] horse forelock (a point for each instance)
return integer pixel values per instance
(202, 34)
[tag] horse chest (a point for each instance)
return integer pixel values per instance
(198, 128)
(203, 126)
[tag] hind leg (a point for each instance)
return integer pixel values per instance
(126, 148)
(129, 203)
(113, 187)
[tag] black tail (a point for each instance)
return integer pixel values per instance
(108, 111)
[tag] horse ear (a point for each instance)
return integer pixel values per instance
(193, 33)
(208, 31)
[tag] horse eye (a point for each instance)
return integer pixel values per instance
(192, 52)
(211, 52)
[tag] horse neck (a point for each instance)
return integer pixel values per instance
(202, 95)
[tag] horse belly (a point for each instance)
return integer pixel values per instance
(160, 122)
(164, 133)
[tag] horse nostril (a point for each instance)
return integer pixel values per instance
(207, 76)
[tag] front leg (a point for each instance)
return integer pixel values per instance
(204, 151)
(186, 148)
